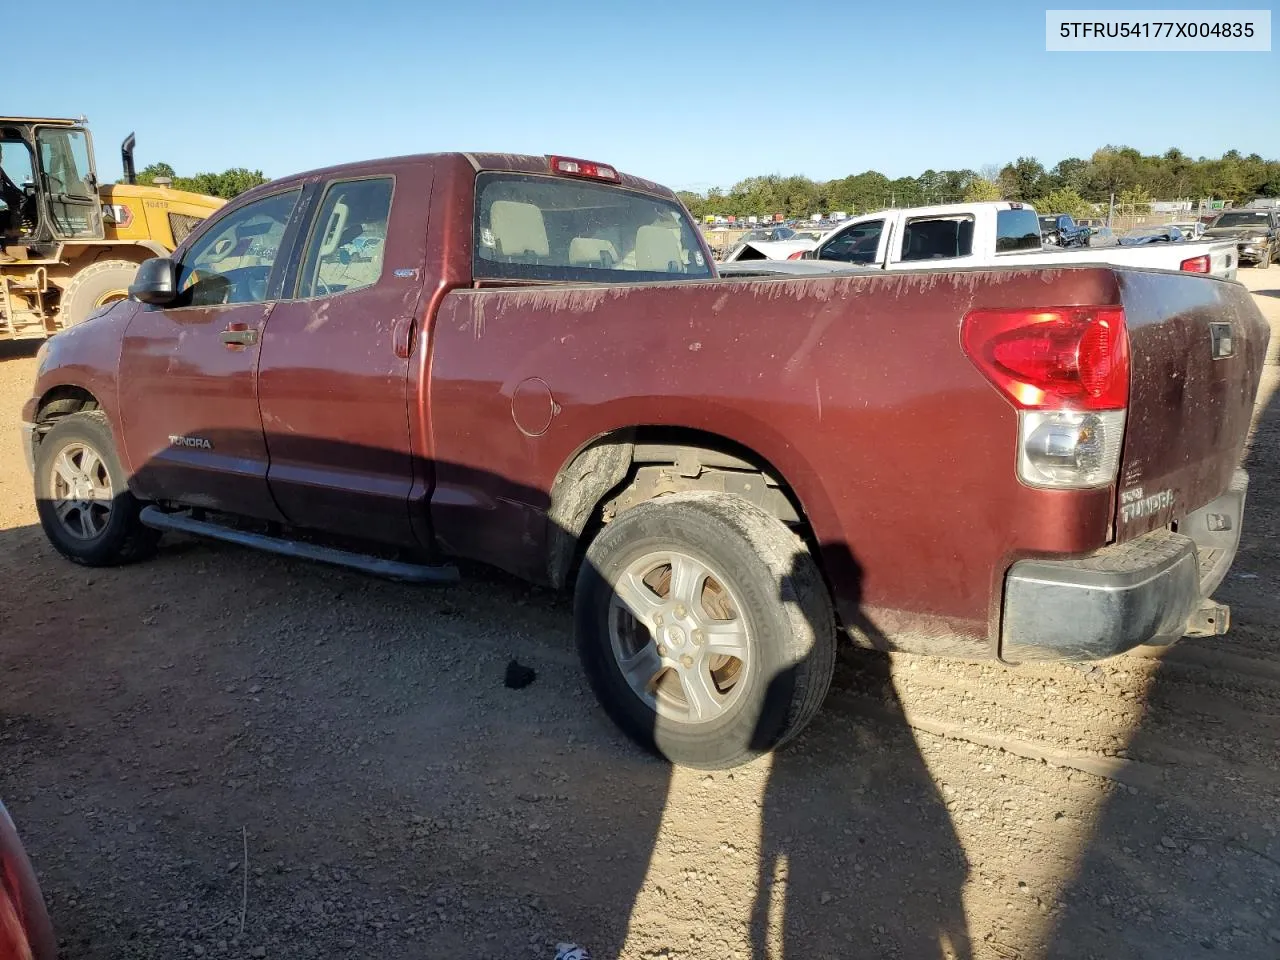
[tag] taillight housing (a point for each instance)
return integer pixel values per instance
(798, 255)
(1196, 264)
(573, 167)
(1066, 371)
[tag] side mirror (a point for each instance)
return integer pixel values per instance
(156, 282)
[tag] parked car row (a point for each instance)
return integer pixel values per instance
(985, 234)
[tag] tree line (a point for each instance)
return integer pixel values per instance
(1071, 186)
(227, 184)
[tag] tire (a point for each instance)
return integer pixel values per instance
(95, 286)
(1265, 260)
(741, 560)
(103, 529)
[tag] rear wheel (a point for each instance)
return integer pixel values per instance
(95, 286)
(82, 496)
(705, 629)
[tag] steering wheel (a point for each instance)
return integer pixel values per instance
(243, 285)
(249, 284)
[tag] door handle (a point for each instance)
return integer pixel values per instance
(238, 334)
(402, 337)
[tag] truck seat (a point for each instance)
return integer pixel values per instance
(518, 229)
(658, 250)
(592, 251)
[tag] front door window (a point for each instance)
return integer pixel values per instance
(232, 261)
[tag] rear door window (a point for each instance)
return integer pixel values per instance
(938, 238)
(542, 228)
(348, 241)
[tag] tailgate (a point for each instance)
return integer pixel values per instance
(1223, 261)
(1196, 350)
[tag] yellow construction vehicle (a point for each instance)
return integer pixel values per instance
(69, 245)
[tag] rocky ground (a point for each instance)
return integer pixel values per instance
(224, 754)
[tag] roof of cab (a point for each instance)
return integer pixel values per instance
(60, 121)
(512, 162)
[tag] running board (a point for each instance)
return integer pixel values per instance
(157, 519)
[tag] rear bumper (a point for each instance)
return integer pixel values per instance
(1145, 591)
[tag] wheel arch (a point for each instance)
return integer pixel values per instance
(58, 402)
(630, 465)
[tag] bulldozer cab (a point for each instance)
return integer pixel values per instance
(48, 183)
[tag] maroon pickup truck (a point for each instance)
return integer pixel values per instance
(531, 362)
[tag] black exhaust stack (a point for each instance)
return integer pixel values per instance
(126, 158)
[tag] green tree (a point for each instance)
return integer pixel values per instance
(1135, 200)
(1023, 179)
(147, 175)
(981, 189)
(1064, 200)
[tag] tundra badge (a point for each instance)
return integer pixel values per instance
(199, 442)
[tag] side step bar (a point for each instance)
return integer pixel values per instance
(157, 519)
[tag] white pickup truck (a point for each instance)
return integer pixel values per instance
(997, 233)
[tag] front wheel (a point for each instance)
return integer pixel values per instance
(1265, 260)
(82, 496)
(704, 628)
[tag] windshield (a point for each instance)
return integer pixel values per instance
(1257, 218)
(530, 227)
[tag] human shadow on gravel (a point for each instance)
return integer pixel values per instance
(1184, 859)
(859, 856)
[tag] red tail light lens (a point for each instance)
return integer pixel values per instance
(1052, 358)
(583, 168)
(798, 255)
(1196, 264)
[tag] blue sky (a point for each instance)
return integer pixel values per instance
(689, 94)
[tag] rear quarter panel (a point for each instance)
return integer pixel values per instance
(854, 389)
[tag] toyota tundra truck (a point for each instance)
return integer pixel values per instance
(532, 362)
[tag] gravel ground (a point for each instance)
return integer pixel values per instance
(225, 754)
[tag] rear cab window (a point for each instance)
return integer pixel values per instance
(1019, 230)
(546, 228)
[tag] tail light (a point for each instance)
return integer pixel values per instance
(1066, 371)
(798, 255)
(1196, 264)
(583, 168)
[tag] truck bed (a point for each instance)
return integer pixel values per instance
(855, 390)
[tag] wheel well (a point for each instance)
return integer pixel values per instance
(615, 472)
(61, 402)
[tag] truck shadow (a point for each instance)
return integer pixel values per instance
(18, 349)
(1184, 858)
(362, 731)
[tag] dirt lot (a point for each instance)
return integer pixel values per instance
(352, 743)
